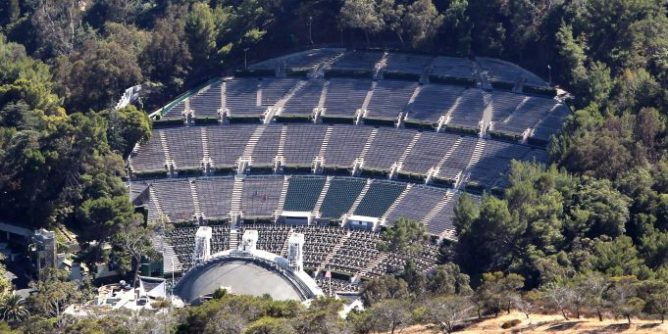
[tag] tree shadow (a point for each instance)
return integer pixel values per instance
(563, 326)
(615, 328)
(649, 326)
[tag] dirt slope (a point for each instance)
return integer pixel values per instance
(552, 324)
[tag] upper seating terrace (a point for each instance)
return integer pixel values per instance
(266, 197)
(440, 93)
(330, 149)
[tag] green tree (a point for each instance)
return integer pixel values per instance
(14, 309)
(658, 300)
(599, 82)
(623, 295)
(393, 15)
(135, 241)
(572, 48)
(201, 30)
(654, 247)
(497, 291)
(58, 26)
(594, 286)
(390, 315)
(25, 79)
(96, 76)
(384, 287)
(636, 89)
(5, 282)
(423, 21)
(405, 236)
(618, 257)
(167, 58)
(449, 311)
(322, 316)
(105, 216)
(127, 127)
(599, 209)
(52, 294)
(457, 27)
(559, 296)
(361, 14)
(491, 241)
(269, 325)
(447, 279)
(9, 12)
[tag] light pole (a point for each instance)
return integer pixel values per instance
(549, 73)
(310, 24)
(245, 59)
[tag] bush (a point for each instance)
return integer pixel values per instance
(161, 303)
(461, 130)
(442, 182)
(419, 125)
(223, 170)
(374, 173)
(511, 323)
(293, 118)
(337, 119)
(505, 136)
(410, 177)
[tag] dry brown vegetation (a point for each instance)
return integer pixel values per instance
(554, 324)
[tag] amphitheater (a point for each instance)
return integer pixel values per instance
(337, 145)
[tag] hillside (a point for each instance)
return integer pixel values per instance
(553, 324)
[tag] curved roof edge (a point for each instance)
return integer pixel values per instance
(304, 284)
(326, 59)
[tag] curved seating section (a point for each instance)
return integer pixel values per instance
(340, 86)
(303, 193)
(340, 196)
(435, 105)
(377, 151)
(443, 66)
(262, 197)
(378, 198)
(351, 140)
(503, 71)
(300, 60)
(345, 96)
(433, 101)
(389, 98)
(346, 253)
(357, 61)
